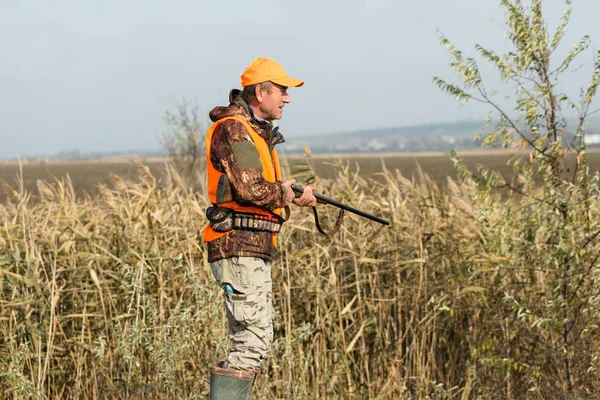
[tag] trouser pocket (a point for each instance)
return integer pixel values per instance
(243, 308)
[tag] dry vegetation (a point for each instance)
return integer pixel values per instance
(112, 297)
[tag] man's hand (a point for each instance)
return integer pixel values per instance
(307, 199)
(289, 194)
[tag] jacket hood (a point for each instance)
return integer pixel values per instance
(238, 108)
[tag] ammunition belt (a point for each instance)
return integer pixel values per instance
(223, 219)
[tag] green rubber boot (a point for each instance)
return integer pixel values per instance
(230, 384)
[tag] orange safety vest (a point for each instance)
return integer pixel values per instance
(271, 173)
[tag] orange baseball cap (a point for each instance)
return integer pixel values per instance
(264, 69)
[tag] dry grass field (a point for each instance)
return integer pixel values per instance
(465, 295)
(86, 175)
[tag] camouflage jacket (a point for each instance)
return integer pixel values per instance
(233, 154)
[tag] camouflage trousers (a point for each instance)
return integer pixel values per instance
(248, 307)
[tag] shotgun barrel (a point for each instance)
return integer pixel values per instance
(324, 199)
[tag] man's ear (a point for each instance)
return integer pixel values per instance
(259, 93)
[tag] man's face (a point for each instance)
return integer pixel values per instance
(271, 101)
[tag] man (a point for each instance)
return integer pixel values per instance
(247, 194)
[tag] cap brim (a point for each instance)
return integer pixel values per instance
(288, 82)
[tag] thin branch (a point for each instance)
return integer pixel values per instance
(523, 88)
(527, 78)
(522, 193)
(510, 121)
(581, 146)
(584, 278)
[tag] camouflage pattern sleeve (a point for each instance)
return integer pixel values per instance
(233, 153)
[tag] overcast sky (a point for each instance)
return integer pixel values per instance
(99, 75)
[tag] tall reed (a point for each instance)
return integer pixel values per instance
(112, 297)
